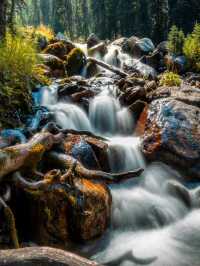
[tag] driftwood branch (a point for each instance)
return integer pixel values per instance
(42, 256)
(79, 170)
(27, 155)
(108, 67)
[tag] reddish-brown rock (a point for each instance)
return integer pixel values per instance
(172, 134)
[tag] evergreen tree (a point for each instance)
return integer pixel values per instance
(176, 39)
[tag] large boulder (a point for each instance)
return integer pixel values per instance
(59, 49)
(63, 214)
(138, 47)
(171, 132)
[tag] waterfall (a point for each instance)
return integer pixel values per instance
(149, 225)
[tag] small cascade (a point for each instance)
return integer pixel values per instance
(124, 154)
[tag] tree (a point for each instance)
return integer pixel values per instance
(176, 40)
(3, 9)
(159, 11)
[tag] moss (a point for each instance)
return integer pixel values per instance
(170, 79)
(10, 219)
(59, 49)
(75, 61)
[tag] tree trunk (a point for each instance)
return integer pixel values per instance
(41, 256)
(3, 8)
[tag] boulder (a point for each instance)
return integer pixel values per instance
(171, 132)
(136, 66)
(138, 47)
(54, 63)
(63, 214)
(92, 40)
(90, 151)
(75, 62)
(177, 64)
(59, 49)
(119, 42)
(133, 94)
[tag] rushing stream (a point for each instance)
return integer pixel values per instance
(149, 225)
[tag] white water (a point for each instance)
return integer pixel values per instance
(146, 219)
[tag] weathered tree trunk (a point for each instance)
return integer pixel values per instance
(108, 67)
(41, 256)
(3, 8)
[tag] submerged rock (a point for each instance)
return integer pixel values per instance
(172, 135)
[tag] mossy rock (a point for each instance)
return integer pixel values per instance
(59, 49)
(54, 63)
(15, 104)
(75, 62)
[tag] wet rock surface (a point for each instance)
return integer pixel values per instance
(172, 132)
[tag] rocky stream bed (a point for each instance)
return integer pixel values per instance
(107, 164)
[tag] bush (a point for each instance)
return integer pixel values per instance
(17, 60)
(176, 40)
(40, 35)
(170, 79)
(191, 48)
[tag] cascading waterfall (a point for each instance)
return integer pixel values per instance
(149, 225)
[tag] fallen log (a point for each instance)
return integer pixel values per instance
(42, 256)
(108, 67)
(78, 170)
(27, 155)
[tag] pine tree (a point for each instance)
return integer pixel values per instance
(176, 40)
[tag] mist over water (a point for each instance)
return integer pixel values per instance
(155, 226)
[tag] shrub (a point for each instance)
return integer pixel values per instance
(40, 35)
(191, 48)
(170, 79)
(176, 40)
(17, 60)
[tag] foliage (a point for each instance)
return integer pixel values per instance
(40, 75)
(18, 57)
(176, 40)
(192, 48)
(170, 79)
(37, 34)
